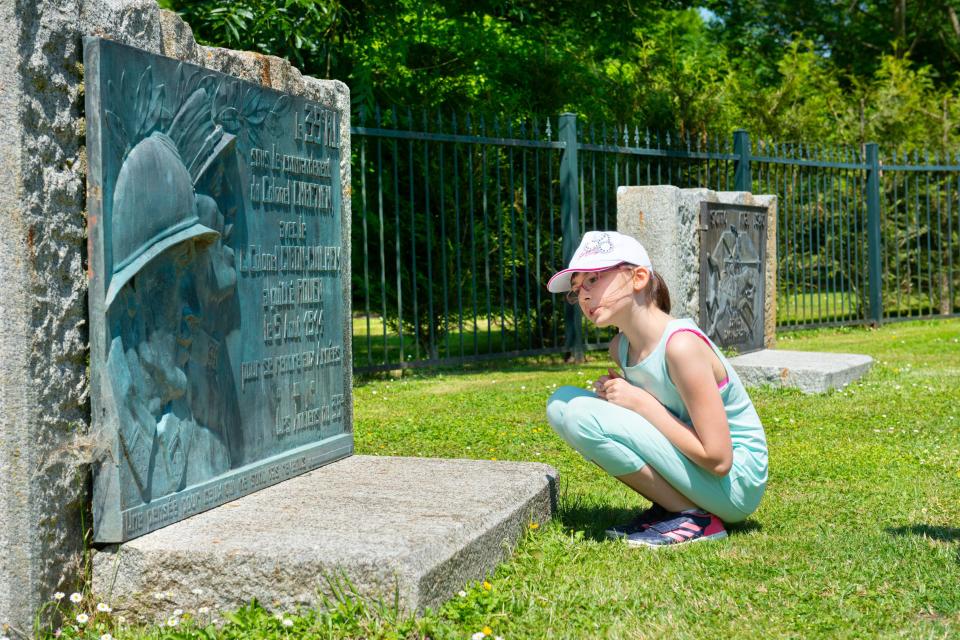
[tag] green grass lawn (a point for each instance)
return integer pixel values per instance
(857, 536)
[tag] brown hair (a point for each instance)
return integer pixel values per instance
(659, 292)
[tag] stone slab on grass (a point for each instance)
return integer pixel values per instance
(416, 528)
(811, 372)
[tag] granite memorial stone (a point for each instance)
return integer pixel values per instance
(218, 299)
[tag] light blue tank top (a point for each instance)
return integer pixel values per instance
(746, 431)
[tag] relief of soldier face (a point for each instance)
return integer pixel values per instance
(221, 278)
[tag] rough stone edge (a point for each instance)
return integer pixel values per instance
(15, 392)
(44, 384)
(442, 581)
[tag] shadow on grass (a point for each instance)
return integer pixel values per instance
(930, 532)
(942, 534)
(595, 520)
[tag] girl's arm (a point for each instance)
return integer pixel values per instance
(689, 361)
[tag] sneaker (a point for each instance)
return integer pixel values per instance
(642, 522)
(689, 526)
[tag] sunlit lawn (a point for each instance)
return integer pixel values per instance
(858, 535)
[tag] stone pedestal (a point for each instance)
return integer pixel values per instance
(810, 372)
(45, 445)
(665, 219)
(413, 527)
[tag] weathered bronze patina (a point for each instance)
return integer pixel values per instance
(217, 307)
(732, 266)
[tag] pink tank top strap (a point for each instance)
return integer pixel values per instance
(720, 384)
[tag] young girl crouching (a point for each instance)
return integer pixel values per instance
(677, 425)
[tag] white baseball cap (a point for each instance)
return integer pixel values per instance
(598, 251)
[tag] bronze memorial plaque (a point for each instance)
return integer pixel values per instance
(733, 240)
(219, 276)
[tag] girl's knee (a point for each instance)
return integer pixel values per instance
(559, 403)
(569, 416)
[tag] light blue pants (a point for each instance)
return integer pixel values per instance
(622, 442)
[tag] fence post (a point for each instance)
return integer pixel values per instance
(742, 180)
(570, 224)
(873, 232)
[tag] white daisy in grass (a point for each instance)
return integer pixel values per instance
(287, 622)
(103, 607)
(173, 621)
(83, 618)
(59, 595)
(75, 598)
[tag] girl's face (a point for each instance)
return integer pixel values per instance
(602, 295)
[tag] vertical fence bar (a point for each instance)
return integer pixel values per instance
(939, 247)
(398, 252)
(526, 242)
(456, 226)
(817, 231)
(569, 224)
(916, 211)
(929, 233)
(366, 247)
(383, 243)
(513, 243)
(896, 234)
(413, 241)
(445, 327)
(741, 148)
(950, 238)
(432, 348)
(535, 135)
(486, 236)
(473, 244)
(873, 232)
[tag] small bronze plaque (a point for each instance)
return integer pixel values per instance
(732, 264)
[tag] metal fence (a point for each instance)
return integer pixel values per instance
(458, 223)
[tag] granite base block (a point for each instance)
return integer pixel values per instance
(414, 528)
(811, 372)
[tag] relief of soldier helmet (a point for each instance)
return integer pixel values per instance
(154, 208)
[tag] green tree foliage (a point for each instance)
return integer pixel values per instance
(814, 70)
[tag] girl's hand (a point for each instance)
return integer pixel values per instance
(622, 393)
(598, 386)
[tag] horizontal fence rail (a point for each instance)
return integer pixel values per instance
(458, 224)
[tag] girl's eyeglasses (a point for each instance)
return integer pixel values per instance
(588, 283)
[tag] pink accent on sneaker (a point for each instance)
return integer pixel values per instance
(715, 526)
(690, 525)
(674, 535)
